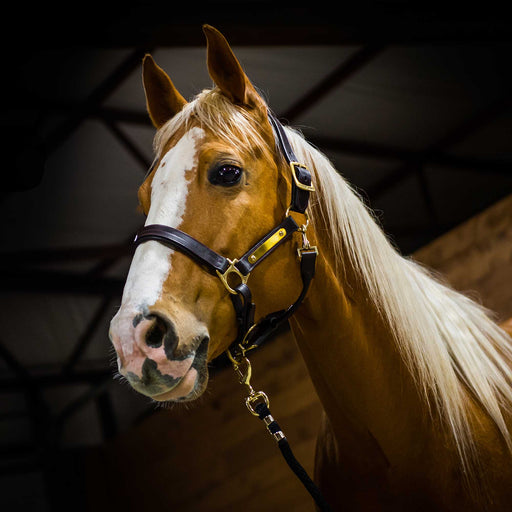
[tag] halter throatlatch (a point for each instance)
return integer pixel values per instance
(251, 335)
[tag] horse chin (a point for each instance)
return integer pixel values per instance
(190, 387)
(193, 384)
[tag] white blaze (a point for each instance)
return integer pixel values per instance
(152, 260)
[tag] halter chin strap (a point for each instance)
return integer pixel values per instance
(251, 335)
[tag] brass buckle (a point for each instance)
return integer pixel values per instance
(232, 270)
(309, 188)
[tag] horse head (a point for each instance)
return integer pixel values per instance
(219, 178)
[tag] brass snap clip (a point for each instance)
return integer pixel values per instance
(243, 369)
(252, 400)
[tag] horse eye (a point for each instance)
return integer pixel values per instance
(225, 175)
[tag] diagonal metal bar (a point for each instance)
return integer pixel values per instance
(334, 79)
(108, 420)
(77, 405)
(13, 363)
(127, 143)
(409, 156)
(455, 136)
(85, 339)
(94, 100)
(38, 409)
(356, 147)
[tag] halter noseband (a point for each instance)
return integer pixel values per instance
(251, 335)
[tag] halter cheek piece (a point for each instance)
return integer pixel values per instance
(251, 335)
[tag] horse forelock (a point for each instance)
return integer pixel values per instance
(235, 125)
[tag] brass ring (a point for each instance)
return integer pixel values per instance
(254, 397)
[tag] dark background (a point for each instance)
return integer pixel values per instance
(411, 102)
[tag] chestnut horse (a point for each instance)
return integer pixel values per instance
(414, 378)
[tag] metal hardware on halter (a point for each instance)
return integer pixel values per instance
(232, 270)
(252, 400)
(306, 246)
(302, 250)
(305, 213)
(267, 246)
(303, 186)
(243, 369)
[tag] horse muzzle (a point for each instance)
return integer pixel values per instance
(161, 358)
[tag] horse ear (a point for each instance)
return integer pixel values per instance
(162, 98)
(227, 73)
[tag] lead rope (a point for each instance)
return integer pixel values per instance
(258, 404)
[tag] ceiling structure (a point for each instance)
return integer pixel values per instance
(411, 105)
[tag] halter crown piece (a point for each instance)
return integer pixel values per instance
(251, 335)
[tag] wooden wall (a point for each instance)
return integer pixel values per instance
(476, 257)
(214, 456)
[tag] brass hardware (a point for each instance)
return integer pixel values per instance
(252, 400)
(243, 369)
(304, 227)
(267, 245)
(232, 270)
(300, 250)
(309, 188)
(306, 246)
(243, 347)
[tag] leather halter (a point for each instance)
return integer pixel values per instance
(251, 335)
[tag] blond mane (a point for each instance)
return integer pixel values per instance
(448, 342)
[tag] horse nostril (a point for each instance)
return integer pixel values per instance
(156, 331)
(161, 331)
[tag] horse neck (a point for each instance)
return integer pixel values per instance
(355, 367)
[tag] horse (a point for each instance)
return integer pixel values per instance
(414, 377)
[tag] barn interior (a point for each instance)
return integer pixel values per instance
(409, 101)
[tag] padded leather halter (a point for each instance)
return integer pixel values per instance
(251, 335)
